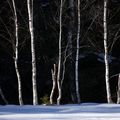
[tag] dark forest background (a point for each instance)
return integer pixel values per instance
(46, 29)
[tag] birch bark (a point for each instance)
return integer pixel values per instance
(16, 55)
(77, 55)
(60, 55)
(109, 100)
(54, 84)
(34, 84)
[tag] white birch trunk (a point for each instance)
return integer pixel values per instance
(77, 56)
(109, 100)
(16, 55)
(34, 84)
(54, 84)
(118, 91)
(60, 56)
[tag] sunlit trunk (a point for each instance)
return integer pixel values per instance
(16, 55)
(60, 55)
(34, 84)
(109, 100)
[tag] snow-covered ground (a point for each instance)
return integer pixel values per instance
(86, 111)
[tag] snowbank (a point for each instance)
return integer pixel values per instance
(88, 111)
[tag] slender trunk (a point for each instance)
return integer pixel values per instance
(118, 92)
(54, 84)
(2, 96)
(16, 55)
(109, 100)
(77, 55)
(70, 64)
(60, 56)
(30, 14)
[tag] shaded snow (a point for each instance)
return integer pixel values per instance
(64, 112)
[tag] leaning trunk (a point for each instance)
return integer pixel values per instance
(77, 55)
(30, 14)
(3, 97)
(16, 55)
(54, 84)
(109, 100)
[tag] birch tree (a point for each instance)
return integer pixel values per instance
(109, 100)
(77, 54)
(54, 83)
(60, 54)
(16, 55)
(34, 84)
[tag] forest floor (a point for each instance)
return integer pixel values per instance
(85, 111)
